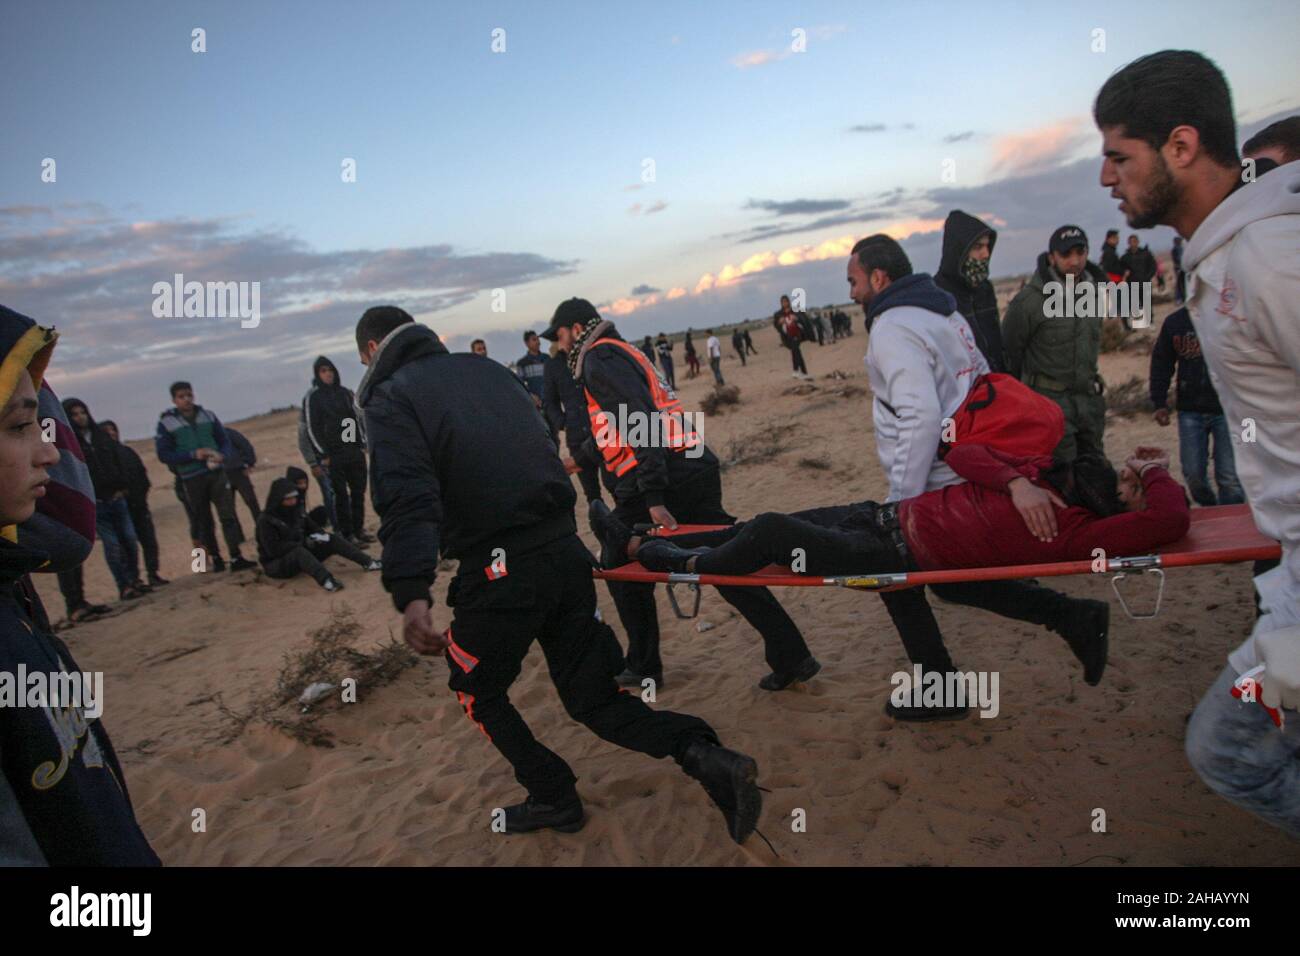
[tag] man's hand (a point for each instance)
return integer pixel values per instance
(662, 516)
(203, 454)
(1035, 507)
(419, 632)
(1162, 416)
(1279, 652)
(571, 467)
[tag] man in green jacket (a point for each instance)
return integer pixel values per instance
(1052, 335)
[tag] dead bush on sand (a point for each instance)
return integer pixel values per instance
(329, 658)
(719, 398)
(1128, 399)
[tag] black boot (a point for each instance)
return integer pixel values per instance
(910, 712)
(612, 534)
(804, 670)
(729, 778)
(1086, 628)
(659, 554)
(630, 678)
(530, 815)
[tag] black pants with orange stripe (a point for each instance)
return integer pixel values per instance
(699, 501)
(548, 596)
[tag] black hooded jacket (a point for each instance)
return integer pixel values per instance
(58, 761)
(461, 463)
(327, 411)
(280, 530)
(109, 472)
(980, 304)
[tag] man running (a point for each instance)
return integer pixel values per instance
(666, 476)
(464, 467)
(1170, 156)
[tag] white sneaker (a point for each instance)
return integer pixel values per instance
(332, 585)
(375, 565)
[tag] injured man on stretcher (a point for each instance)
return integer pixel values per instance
(1007, 511)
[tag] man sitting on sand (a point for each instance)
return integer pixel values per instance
(1007, 511)
(290, 543)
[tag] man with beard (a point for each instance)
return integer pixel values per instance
(921, 362)
(1170, 157)
(664, 477)
(964, 274)
(335, 432)
(464, 467)
(1057, 355)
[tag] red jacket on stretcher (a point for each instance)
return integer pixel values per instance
(977, 523)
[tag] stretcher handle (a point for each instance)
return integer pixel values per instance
(1160, 591)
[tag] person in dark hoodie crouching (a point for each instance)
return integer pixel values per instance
(464, 466)
(108, 473)
(289, 543)
(63, 796)
(964, 274)
(335, 432)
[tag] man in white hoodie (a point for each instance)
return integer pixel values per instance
(921, 360)
(1169, 142)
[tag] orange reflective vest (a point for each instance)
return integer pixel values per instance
(670, 431)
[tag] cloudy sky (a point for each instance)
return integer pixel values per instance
(679, 164)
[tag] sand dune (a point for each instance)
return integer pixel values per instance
(411, 782)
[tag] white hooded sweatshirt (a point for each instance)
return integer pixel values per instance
(1243, 292)
(920, 365)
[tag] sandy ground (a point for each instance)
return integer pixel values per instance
(410, 781)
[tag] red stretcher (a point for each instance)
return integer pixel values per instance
(1225, 534)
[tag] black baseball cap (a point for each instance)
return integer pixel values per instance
(569, 312)
(1066, 238)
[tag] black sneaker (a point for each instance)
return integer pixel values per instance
(802, 671)
(1087, 631)
(155, 581)
(217, 564)
(332, 584)
(612, 534)
(630, 678)
(530, 816)
(730, 779)
(659, 554)
(242, 563)
(919, 714)
(365, 537)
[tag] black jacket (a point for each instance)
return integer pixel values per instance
(788, 341)
(461, 462)
(614, 379)
(327, 411)
(1139, 263)
(980, 304)
(244, 456)
(1110, 261)
(1178, 345)
(104, 459)
(563, 403)
(61, 770)
(279, 531)
(137, 476)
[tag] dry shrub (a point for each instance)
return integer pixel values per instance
(1129, 399)
(719, 398)
(329, 658)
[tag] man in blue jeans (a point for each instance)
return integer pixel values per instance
(108, 474)
(1200, 415)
